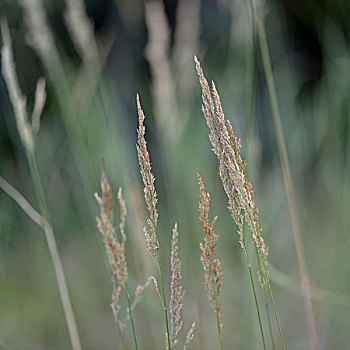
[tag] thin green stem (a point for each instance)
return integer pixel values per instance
(55, 257)
(249, 122)
(250, 79)
(254, 292)
(164, 299)
(269, 319)
(130, 314)
(264, 49)
(120, 334)
(272, 299)
(257, 250)
(218, 324)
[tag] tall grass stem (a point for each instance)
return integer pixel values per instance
(164, 300)
(254, 292)
(264, 49)
(55, 257)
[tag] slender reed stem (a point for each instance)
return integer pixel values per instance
(56, 260)
(130, 314)
(264, 49)
(218, 325)
(273, 303)
(120, 334)
(249, 120)
(164, 299)
(266, 299)
(250, 83)
(269, 319)
(254, 292)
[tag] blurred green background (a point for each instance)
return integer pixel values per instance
(90, 114)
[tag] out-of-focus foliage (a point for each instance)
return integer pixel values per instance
(148, 48)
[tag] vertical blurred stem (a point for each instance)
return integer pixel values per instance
(56, 260)
(120, 334)
(130, 314)
(268, 318)
(164, 300)
(250, 109)
(286, 174)
(249, 324)
(218, 324)
(254, 292)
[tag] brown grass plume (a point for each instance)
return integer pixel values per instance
(211, 265)
(227, 148)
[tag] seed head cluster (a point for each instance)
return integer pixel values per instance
(227, 148)
(211, 265)
(149, 189)
(115, 248)
(177, 291)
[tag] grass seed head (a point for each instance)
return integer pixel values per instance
(213, 274)
(239, 191)
(115, 249)
(149, 188)
(177, 291)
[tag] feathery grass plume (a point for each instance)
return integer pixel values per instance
(26, 131)
(115, 249)
(189, 336)
(227, 148)
(177, 291)
(149, 189)
(211, 265)
(151, 202)
(239, 190)
(140, 290)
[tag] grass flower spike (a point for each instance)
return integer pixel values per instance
(227, 148)
(115, 249)
(213, 275)
(149, 189)
(175, 323)
(151, 202)
(177, 292)
(239, 191)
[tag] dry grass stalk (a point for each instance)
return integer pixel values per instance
(177, 291)
(211, 265)
(41, 37)
(259, 8)
(82, 32)
(140, 290)
(149, 189)
(115, 249)
(164, 89)
(227, 148)
(39, 103)
(26, 130)
(18, 100)
(151, 201)
(189, 336)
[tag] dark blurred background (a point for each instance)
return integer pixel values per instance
(147, 47)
